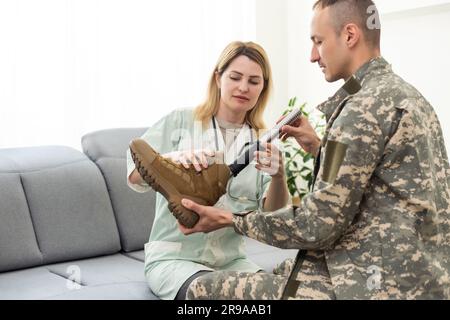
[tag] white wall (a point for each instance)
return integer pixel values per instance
(415, 39)
(389, 6)
(305, 79)
(282, 28)
(74, 66)
(417, 43)
(70, 67)
(271, 33)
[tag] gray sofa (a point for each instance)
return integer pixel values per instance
(70, 228)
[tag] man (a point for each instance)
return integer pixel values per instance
(376, 224)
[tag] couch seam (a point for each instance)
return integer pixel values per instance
(109, 158)
(47, 169)
(131, 257)
(95, 285)
(85, 287)
(62, 276)
(111, 202)
(31, 219)
(114, 283)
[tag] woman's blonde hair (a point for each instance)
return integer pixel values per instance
(254, 52)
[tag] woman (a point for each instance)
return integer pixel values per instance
(225, 123)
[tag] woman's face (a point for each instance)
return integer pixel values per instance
(240, 85)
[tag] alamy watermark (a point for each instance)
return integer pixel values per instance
(373, 22)
(208, 139)
(74, 280)
(374, 281)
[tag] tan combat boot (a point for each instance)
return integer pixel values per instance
(175, 182)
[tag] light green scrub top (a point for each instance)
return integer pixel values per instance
(171, 257)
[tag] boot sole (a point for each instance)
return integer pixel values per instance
(186, 217)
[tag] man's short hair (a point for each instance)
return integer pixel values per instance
(361, 12)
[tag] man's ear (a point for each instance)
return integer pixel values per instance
(352, 35)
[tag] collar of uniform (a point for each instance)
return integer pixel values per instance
(372, 67)
(352, 85)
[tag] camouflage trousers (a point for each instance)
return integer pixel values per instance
(315, 283)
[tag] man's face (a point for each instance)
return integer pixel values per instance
(329, 49)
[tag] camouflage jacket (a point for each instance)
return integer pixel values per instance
(380, 206)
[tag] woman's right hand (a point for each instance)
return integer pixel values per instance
(196, 158)
(304, 133)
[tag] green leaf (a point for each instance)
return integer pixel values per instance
(291, 180)
(307, 157)
(305, 169)
(298, 163)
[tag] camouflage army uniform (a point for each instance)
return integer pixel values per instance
(376, 225)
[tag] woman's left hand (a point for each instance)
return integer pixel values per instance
(270, 161)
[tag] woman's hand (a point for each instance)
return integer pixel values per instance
(304, 133)
(270, 161)
(196, 158)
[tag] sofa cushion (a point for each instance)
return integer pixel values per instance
(67, 200)
(137, 255)
(111, 143)
(18, 245)
(30, 284)
(37, 158)
(110, 269)
(110, 277)
(134, 212)
(116, 291)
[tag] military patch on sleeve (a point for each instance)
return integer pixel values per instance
(334, 156)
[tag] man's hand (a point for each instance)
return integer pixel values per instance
(211, 218)
(304, 133)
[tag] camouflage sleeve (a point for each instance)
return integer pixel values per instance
(350, 155)
(284, 268)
